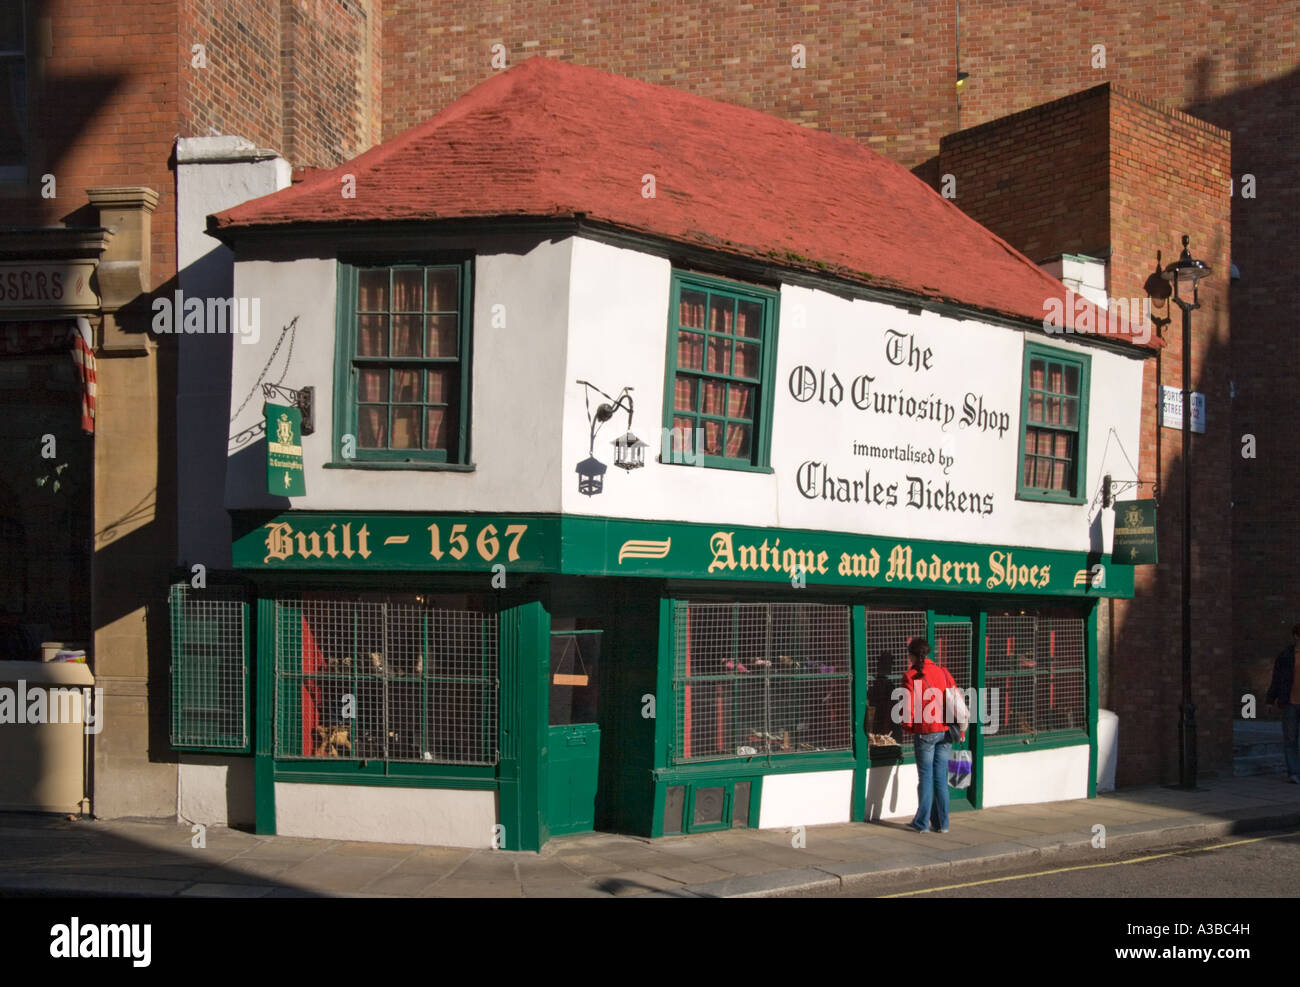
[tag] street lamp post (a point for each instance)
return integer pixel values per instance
(1187, 272)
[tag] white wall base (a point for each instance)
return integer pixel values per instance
(891, 791)
(812, 799)
(215, 792)
(429, 816)
(1036, 776)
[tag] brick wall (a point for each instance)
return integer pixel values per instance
(238, 90)
(103, 112)
(300, 76)
(328, 72)
(1168, 176)
(1039, 178)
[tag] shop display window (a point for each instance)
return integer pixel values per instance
(888, 634)
(408, 678)
(759, 679)
(1036, 661)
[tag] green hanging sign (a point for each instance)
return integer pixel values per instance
(284, 475)
(1135, 533)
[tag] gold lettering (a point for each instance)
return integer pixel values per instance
(720, 544)
(279, 542)
(314, 551)
(900, 563)
(362, 535)
(995, 564)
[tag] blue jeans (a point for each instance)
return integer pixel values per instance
(932, 753)
(1290, 735)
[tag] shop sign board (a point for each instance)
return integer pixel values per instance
(284, 473)
(59, 285)
(1171, 409)
(1135, 532)
(589, 546)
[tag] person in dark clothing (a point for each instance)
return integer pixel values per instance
(1282, 691)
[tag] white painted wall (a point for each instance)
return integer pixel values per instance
(891, 791)
(212, 174)
(214, 791)
(517, 386)
(433, 816)
(1036, 776)
(812, 799)
(618, 338)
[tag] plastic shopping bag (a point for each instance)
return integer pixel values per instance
(959, 769)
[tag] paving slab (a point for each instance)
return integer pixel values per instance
(877, 873)
(450, 888)
(485, 867)
(568, 891)
(691, 872)
(209, 890)
(739, 864)
(333, 873)
(155, 858)
(804, 879)
(591, 865)
(629, 883)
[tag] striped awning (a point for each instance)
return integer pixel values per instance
(39, 337)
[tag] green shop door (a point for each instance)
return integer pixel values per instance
(574, 742)
(953, 637)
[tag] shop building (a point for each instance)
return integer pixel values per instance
(844, 425)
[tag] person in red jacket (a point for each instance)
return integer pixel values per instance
(923, 709)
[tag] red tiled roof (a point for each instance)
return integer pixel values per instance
(553, 139)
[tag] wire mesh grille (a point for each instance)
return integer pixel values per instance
(1037, 664)
(757, 679)
(209, 667)
(888, 634)
(385, 680)
(952, 650)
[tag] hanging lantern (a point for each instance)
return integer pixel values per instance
(629, 452)
(591, 476)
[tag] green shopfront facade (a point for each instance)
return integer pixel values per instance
(497, 680)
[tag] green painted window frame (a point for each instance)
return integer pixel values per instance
(1083, 363)
(764, 384)
(192, 644)
(346, 370)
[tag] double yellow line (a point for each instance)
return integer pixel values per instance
(1112, 863)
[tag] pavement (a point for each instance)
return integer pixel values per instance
(41, 855)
